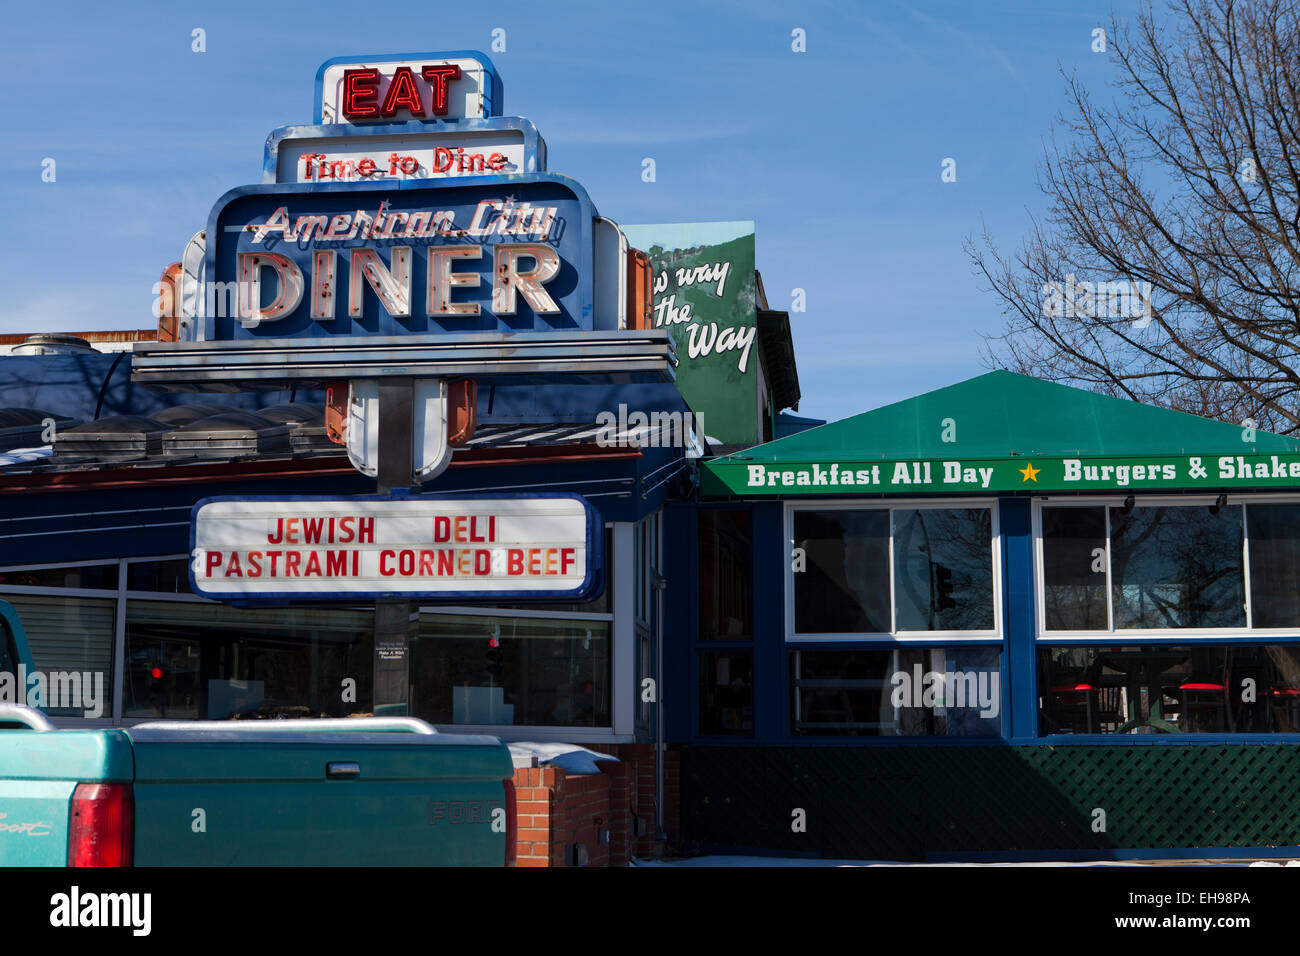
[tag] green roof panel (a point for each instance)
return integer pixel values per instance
(1003, 433)
(1002, 414)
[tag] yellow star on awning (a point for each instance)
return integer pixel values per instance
(1030, 472)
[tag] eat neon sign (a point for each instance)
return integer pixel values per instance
(361, 91)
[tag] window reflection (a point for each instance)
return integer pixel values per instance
(943, 569)
(908, 692)
(1204, 688)
(727, 692)
(211, 662)
(1274, 565)
(1074, 569)
(479, 669)
(845, 586)
(1177, 567)
(97, 577)
(71, 635)
(726, 556)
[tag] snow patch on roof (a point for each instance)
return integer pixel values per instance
(572, 759)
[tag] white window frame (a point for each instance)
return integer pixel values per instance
(889, 505)
(1139, 635)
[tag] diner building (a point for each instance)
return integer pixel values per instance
(1006, 618)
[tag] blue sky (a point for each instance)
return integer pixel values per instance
(834, 153)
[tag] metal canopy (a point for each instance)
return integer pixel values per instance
(1006, 433)
(1001, 414)
(533, 357)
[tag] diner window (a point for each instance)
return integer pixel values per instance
(1128, 567)
(727, 692)
(1274, 543)
(195, 660)
(892, 571)
(725, 556)
(1177, 567)
(1074, 569)
(943, 569)
(844, 585)
(71, 643)
(94, 577)
(168, 576)
(897, 692)
(525, 671)
(531, 664)
(1196, 688)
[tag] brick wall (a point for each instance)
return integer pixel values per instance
(557, 811)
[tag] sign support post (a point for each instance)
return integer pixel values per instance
(396, 620)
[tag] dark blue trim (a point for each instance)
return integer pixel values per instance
(1020, 689)
(589, 588)
(534, 145)
(771, 676)
(678, 691)
(494, 95)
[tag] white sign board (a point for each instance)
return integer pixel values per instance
(348, 548)
(383, 158)
(427, 90)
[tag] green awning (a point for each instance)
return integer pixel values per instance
(1004, 432)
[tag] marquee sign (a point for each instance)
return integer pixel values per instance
(395, 88)
(1017, 474)
(505, 547)
(498, 254)
(341, 153)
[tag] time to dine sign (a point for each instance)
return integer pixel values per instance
(540, 546)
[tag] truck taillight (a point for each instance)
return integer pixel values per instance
(512, 823)
(99, 832)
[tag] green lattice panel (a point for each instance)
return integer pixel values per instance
(910, 802)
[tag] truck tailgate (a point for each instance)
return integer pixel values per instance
(207, 798)
(36, 784)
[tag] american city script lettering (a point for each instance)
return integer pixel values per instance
(520, 270)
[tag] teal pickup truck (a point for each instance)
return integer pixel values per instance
(331, 792)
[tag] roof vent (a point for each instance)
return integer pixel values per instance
(228, 435)
(53, 345)
(25, 427)
(306, 426)
(184, 414)
(119, 438)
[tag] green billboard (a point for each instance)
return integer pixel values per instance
(704, 292)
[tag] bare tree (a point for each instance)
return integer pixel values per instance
(1165, 268)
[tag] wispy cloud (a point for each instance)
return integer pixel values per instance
(631, 129)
